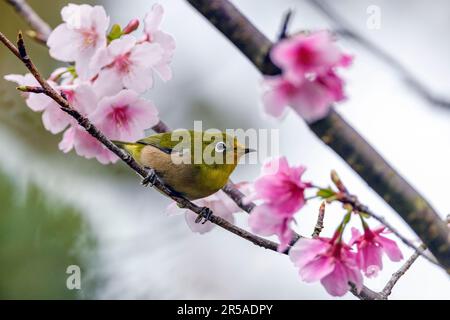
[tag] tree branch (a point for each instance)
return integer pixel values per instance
(40, 28)
(339, 135)
(401, 272)
(285, 24)
(344, 29)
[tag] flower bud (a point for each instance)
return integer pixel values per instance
(131, 26)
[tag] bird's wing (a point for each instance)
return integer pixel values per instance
(157, 141)
(163, 141)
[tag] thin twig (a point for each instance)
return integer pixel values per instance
(31, 89)
(344, 29)
(357, 206)
(319, 224)
(387, 290)
(21, 53)
(41, 30)
(285, 24)
(345, 197)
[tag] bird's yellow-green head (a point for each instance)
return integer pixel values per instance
(208, 148)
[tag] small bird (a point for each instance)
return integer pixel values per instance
(193, 164)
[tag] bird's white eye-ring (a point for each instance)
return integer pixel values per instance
(220, 147)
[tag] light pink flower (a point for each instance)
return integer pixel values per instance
(152, 22)
(219, 203)
(329, 261)
(280, 186)
(266, 221)
(81, 97)
(370, 248)
(312, 99)
(302, 55)
(35, 101)
(126, 64)
(85, 145)
(124, 116)
(78, 39)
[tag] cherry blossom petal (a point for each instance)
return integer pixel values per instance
(305, 250)
(391, 248)
(317, 269)
(63, 43)
(68, 140)
(153, 19)
(108, 83)
(336, 283)
(54, 119)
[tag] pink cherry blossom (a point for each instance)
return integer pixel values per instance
(219, 203)
(85, 145)
(152, 22)
(282, 191)
(303, 54)
(266, 221)
(125, 64)
(312, 99)
(81, 97)
(79, 38)
(280, 186)
(371, 246)
(330, 261)
(124, 116)
(54, 119)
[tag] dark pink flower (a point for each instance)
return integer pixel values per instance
(312, 99)
(280, 186)
(281, 189)
(266, 221)
(330, 261)
(371, 246)
(309, 83)
(314, 54)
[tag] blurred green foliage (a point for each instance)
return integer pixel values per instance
(39, 239)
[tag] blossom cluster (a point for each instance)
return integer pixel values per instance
(309, 83)
(109, 69)
(331, 260)
(280, 194)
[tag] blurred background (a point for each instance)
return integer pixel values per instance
(58, 210)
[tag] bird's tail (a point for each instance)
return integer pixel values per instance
(134, 149)
(120, 144)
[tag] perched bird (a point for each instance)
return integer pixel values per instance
(193, 164)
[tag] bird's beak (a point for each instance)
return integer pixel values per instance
(248, 150)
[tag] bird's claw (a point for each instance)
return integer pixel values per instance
(150, 179)
(204, 214)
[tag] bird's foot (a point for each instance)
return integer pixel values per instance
(150, 179)
(204, 214)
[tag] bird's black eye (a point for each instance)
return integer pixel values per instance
(220, 147)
